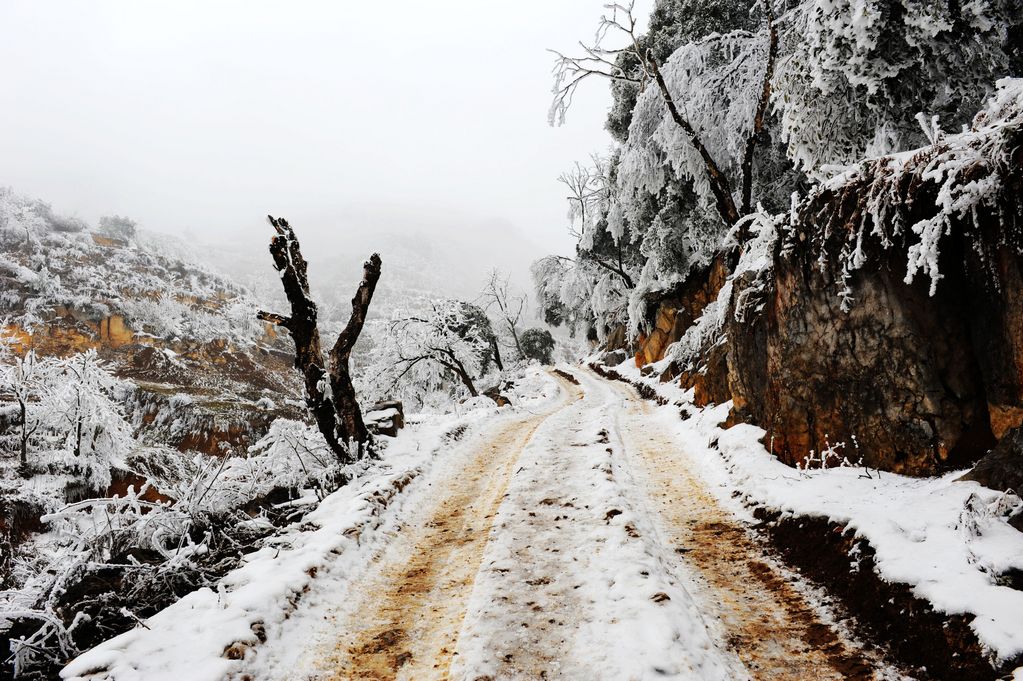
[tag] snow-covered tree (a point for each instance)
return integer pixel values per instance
(118, 226)
(538, 344)
(699, 114)
(854, 74)
(84, 410)
(564, 291)
(722, 106)
(26, 380)
(447, 348)
(507, 306)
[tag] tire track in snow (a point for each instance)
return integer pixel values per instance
(768, 622)
(573, 585)
(407, 620)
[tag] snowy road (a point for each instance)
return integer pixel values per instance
(574, 544)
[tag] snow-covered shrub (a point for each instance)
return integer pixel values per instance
(291, 455)
(538, 344)
(26, 380)
(155, 552)
(118, 226)
(84, 412)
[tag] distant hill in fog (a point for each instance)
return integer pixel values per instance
(425, 255)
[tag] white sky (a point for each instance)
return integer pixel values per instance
(205, 116)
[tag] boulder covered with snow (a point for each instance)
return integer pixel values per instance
(386, 418)
(495, 394)
(614, 358)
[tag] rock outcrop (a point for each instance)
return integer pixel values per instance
(885, 321)
(386, 418)
(675, 311)
(1002, 468)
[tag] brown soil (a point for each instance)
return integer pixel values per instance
(772, 628)
(934, 645)
(413, 602)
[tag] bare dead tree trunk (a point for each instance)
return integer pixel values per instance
(330, 395)
(351, 424)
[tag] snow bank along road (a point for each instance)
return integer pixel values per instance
(572, 544)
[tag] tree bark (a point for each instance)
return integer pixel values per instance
(459, 369)
(24, 432)
(330, 394)
(758, 118)
(497, 353)
(719, 184)
(352, 427)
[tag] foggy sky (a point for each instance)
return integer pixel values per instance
(201, 117)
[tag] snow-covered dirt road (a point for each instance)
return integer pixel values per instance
(574, 544)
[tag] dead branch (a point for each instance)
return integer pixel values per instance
(330, 395)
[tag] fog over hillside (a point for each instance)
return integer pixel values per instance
(424, 251)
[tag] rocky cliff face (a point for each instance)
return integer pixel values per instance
(827, 347)
(211, 397)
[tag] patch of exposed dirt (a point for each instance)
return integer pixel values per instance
(645, 391)
(934, 645)
(567, 376)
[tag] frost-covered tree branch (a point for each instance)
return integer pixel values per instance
(509, 307)
(597, 61)
(444, 350)
(699, 72)
(761, 112)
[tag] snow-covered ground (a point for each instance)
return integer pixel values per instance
(209, 635)
(551, 537)
(947, 539)
(574, 581)
(544, 556)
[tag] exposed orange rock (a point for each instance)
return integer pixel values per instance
(108, 241)
(676, 311)
(114, 332)
(1004, 418)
